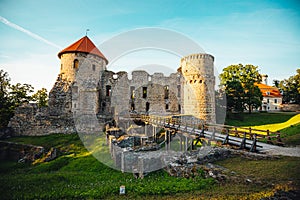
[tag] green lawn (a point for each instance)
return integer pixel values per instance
(291, 135)
(76, 174)
(256, 119)
(271, 121)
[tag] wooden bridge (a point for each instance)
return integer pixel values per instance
(192, 130)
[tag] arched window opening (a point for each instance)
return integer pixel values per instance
(132, 93)
(144, 92)
(178, 90)
(75, 64)
(103, 106)
(132, 107)
(167, 106)
(108, 90)
(147, 106)
(166, 88)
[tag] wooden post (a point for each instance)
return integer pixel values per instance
(243, 143)
(166, 140)
(169, 140)
(279, 141)
(193, 130)
(202, 131)
(225, 141)
(253, 146)
(236, 132)
(180, 138)
(213, 133)
(268, 137)
(192, 145)
(251, 136)
(186, 144)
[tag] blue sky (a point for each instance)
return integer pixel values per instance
(262, 33)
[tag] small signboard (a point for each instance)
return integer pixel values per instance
(122, 189)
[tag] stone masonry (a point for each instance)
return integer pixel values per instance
(85, 86)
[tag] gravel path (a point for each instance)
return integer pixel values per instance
(277, 150)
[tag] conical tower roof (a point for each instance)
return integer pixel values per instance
(83, 45)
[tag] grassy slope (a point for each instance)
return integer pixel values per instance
(291, 135)
(288, 124)
(279, 126)
(256, 119)
(76, 174)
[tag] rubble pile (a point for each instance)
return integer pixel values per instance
(198, 163)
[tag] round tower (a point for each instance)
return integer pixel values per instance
(198, 86)
(82, 65)
(82, 53)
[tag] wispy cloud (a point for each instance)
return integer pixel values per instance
(33, 35)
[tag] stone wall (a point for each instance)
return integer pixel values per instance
(290, 107)
(85, 88)
(20, 152)
(154, 94)
(29, 119)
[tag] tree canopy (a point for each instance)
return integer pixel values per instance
(239, 84)
(41, 97)
(290, 88)
(12, 96)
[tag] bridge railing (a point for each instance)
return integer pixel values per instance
(248, 132)
(195, 123)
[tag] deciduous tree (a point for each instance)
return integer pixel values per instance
(6, 111)
(20, 93)
(291, 88)
(241, 91)
(41, 97)
(11, 96)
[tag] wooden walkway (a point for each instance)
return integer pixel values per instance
(196, 130)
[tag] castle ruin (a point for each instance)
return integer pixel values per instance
(84, 85)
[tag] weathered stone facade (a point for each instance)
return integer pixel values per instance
(29, 119)
(85, 87)
(144, 93)
(198, 86)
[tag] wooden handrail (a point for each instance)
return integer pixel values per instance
(241, 132)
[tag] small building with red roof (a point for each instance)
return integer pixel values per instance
(272, 98)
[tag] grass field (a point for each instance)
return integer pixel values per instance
(279, 126)
(287, 123)
(256, 119)
(76, 174)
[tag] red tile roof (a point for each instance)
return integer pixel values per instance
(268, 91)
(84, 45)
